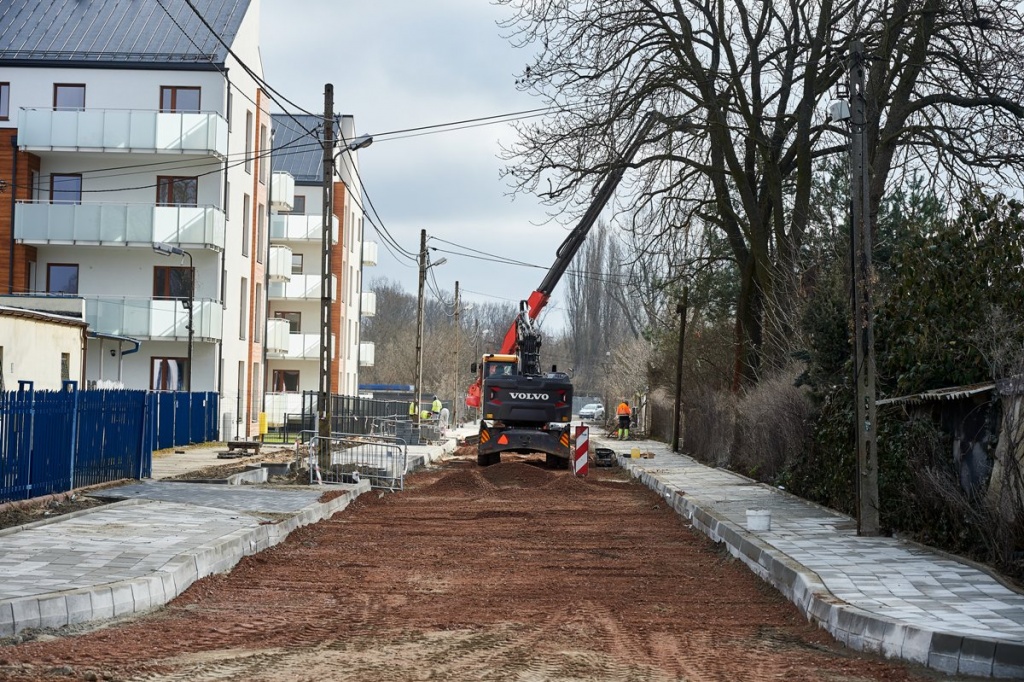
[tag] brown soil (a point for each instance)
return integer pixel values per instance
(514, 572)
(11, 516)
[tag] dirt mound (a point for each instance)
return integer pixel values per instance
(465, 451)
(518, 475)
(461, 482)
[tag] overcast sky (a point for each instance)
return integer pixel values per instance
(398, 64)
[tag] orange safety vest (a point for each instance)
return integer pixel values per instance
(623, 409)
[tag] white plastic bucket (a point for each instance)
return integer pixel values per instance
(759, 519)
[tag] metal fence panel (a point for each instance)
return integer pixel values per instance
(349, 458)
(16, 416)
(165, 421)
(112, 437)
(53, 441)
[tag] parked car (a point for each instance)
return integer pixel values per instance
(594, 411)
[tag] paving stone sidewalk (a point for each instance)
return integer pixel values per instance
(874, 594)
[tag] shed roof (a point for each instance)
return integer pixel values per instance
(951, 393)
(117, 31)
(8, 311)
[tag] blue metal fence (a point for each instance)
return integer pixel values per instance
(54, 441)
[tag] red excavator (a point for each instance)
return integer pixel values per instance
(522, 408)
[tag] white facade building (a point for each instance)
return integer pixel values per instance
(140, 130)
(296, 238)
(44, 349)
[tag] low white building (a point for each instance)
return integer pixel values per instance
(42, 348)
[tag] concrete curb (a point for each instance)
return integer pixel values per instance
(145, 593)
(857, 629)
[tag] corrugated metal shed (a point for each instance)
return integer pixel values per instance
(295, 151)
(117, 31)
(952, 393)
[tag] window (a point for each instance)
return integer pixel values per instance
(227, 200)
(264, 159)
(248, 142)
(168, 374)
(239, 403)
(246, 205)
(294, 320)
(258, 315)
(298, 205)
(243, 309)
(296, 263)
(177, 98)
(260, 214)
(230, 102)
(254, 406)
(62, 278)
(65, 366)
(67, 96)
(65, 188)
(177, 191)
(286, 381)
(5, 101)
(171, 282)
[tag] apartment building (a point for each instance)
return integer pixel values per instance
(296, 257)
(129, 125)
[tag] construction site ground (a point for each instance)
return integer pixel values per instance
(510, 572)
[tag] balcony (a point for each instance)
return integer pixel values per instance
(277, 336)
(366, 352)
(300, 288)
(300, 347)
(105, 224)
(369, 253)
(282, 191)
(154, 319)
(279, 264)
(123, 130)
(368, 305)
(300, 228)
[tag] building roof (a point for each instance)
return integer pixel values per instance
(40, 316)
(94, 32)
(295, 151)
(951, 393)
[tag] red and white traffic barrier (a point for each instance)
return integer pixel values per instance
(581, 455)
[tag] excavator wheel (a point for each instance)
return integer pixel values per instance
(486, 460)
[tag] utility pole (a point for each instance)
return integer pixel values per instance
(455, 375)
(861, 274)
(419, 324)
(681, 309)
(326, 345)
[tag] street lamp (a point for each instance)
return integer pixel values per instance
(168, 250)
(424, 266)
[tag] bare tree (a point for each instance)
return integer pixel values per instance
(742, 90)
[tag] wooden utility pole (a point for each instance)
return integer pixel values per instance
(861, 275)
(681, 309)
(326, 337)
(455, 375)
(418, 389)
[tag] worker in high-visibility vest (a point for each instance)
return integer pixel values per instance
(435, 407)
(412, 410)
(624, 414)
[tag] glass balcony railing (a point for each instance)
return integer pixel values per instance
(368, 306)
(282, 191)
(300, 228)
(278, 332)
(123, 130)
(301, 347)
(154, 319)
(281, 406)
(369, 253)
(279, 264)
(366, 352)
(119, 224)
(300, 288)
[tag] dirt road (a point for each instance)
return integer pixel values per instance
(513, 572)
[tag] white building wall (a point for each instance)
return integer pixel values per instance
(31, 351)
(121, 271)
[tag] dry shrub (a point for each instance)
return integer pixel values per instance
(708, 424)
(772, 425)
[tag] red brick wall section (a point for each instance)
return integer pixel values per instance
(22, 255)
(257, 269)
(338, 269)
